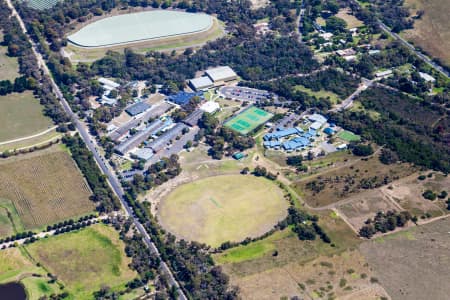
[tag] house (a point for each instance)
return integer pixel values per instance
(383, 74)
(326, 36)
(427, 77)
(346, 52)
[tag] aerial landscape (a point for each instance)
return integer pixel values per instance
(224, 149)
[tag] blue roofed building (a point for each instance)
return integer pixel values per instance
(182, 98)
(329, 131)
(282, 133)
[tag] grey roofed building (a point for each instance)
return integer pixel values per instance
(144, 153)
(166, 137)
(137, 108)
(139, 137)
(201, 83)
(221, 74)
(193, 118)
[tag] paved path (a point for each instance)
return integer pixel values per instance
(101, 162)
(29, 137)
(45, 233)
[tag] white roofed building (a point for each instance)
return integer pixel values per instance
(427, 77)
(210, 107)
(108, 84)
(221, 74)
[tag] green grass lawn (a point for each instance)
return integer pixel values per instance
(21, 115)
(223, 208)
(84, 260)
(348, 136)
(9, 219)
(9, 67)
(334, 99)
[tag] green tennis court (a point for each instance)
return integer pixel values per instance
(248, 120)
(349, 136)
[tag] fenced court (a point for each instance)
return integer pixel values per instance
(248, 120)
(349, 136)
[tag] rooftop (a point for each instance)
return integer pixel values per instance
(137, 108)
(201, 82)
(221, 73)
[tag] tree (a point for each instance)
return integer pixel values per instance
(362, 150)
(429, 195)
(335, 25)
(388, 156)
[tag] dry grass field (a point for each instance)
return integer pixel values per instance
(350, 19)
(223, 208)
(408, 191)
(413, 264)
(21, 115)
(432, 31)
(339, 183)
(364, 206)
(308, 269)
(45, 187)
(85, 260)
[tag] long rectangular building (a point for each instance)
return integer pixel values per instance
(166, 137)
(140, 137)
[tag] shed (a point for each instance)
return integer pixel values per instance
(329, 131)
(238, 155)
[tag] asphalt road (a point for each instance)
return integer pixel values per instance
(411, 47)
(112, 179)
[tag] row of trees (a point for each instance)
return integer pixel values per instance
(102, 193)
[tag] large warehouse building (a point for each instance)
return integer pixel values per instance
(221, 75)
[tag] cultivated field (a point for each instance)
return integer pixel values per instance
(21, 115)
(45, 187)
(9, 66)
(85, 260)
(413, 264)
(432, 31)
(223, 208)
(341, 182)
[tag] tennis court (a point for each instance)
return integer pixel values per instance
(349, 136)
(248, 120)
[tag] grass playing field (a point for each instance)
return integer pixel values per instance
(85, 260)
(348, 136)
(82, 260)
(21, 115)
(223, 208)
(248, 120)
(43, 187)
